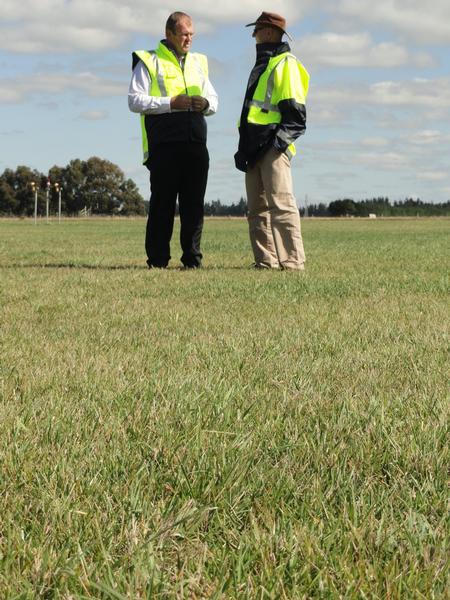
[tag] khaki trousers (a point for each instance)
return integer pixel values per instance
(273, 216)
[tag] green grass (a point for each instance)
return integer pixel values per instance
(224, 433)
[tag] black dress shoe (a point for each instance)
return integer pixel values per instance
(153, 266)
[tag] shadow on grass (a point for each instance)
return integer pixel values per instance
(71, 265)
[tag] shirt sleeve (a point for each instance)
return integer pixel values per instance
(139, 100)
(213, 99)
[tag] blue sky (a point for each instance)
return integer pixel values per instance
(378, 108)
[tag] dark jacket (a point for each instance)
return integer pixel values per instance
(256, 140)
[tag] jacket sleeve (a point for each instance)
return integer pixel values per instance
(292, 80)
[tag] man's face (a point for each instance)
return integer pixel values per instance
(265, 33)
(181, 40)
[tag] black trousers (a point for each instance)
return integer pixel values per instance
(177, 170)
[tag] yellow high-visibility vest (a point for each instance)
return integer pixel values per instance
(285, 78)
(169, 79)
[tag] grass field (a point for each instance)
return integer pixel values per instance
(224, 433)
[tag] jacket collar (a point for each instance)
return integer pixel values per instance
(169, 52)
(272, 49)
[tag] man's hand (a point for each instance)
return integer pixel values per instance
(199, 104)
(181, 102)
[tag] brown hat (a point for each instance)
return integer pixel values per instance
(272, 20)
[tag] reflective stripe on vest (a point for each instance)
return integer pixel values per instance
(159, 74)
(263, 99)
(265, 111)
(265, 105)
(200, 72)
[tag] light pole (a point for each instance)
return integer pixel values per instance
(47, 198)
(59, 190)
(34, 188)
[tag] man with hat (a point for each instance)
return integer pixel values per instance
(273, 116)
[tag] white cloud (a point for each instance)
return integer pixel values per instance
(59, 26)
(389, 161)
(41, 37)
(49, 105)
(375, 142)
(426, 23)
(433, 175)
(12, 132)
(430, 137)
(9, 95)
(393, 161)
(355, 50)
(19, 89)
(416, 93)
(93, 115)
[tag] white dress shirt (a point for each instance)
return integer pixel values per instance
(140, 102)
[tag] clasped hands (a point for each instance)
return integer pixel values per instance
(185, 102)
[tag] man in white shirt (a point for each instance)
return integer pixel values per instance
(170, 89)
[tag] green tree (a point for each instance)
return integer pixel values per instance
(98, 184)
(242, 206)
(19, 181)
(56, 178)
(102, 181)
(131, 201)
(340, 208)
(72, 179)
(7, 198)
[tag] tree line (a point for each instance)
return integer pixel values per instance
(381, 207)
(100, 187)
(97, 185)
(217, 209)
